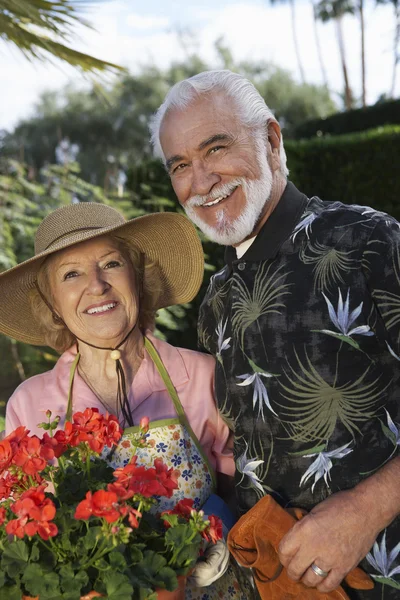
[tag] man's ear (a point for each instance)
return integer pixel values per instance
(274, 144)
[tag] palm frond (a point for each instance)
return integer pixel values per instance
(42, 29)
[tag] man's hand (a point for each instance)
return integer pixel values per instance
(336, 535)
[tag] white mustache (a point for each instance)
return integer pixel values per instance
(225, 189)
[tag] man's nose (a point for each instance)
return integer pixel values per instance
(97, 282)
(203, 178)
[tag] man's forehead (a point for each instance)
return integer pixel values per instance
(205, 117)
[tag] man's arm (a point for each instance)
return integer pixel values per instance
(339, 532)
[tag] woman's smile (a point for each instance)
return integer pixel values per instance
(101, 309)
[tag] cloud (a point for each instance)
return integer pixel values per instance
(146, 23)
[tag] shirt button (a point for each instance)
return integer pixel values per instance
(242, 266)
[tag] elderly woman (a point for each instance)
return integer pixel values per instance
(91, 292)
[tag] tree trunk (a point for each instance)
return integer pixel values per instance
(296, 42)
(318, 45)
(396, 42)
(347, 90)
(363, 71)
(17, 360)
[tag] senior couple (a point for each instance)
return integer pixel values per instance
(302, 325)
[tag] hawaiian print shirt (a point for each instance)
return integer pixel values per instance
(305, 328)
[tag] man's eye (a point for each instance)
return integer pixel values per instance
(215, 149)
(112, 264)
(179, 167)
(70, 275)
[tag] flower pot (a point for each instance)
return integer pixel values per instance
(178, 594)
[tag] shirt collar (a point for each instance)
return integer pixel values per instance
(276, 229)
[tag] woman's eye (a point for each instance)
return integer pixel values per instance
(70, 274)
(112, 264)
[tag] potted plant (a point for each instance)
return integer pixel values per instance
(71, 527)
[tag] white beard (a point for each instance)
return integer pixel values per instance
(257, 193)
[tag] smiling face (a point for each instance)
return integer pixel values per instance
(93, 290)
(219, 169)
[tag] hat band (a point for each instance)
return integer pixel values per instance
(65, 235)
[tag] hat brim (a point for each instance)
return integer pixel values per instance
(168, 239)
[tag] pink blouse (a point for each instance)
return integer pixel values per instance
(192, 374)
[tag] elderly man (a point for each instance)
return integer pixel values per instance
(304, 320)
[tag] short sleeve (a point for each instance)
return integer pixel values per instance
(381, 265)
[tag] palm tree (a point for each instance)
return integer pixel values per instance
(396, 41)
(360, 9)
(42, 29)
(335, 10)
(295, 39)
(318, 44)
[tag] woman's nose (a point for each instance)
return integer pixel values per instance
(97, 282)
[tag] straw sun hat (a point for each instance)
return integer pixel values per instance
(168, 239)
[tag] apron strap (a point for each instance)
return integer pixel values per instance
(175, 399)
(72, 372)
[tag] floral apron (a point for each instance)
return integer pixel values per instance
(175, 442)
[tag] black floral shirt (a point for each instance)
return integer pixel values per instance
(305, 328)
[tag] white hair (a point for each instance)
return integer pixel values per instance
(253, 111)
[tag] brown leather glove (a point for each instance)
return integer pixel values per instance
(254, 542)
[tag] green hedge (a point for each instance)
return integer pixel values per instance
(359, 168)
(361, 119)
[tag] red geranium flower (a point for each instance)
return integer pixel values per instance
(213, 533)
(100, 504)
(17, 436)
(17, 527)
(34, 512)
(53, 447)
(167, 477)
(6, 454)
(29, 457)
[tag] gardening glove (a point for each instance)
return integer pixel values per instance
(215, 560)
(212, 565)
(254, 542)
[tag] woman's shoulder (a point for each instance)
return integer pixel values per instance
(189, 357)
(196, 357)
(37, 385)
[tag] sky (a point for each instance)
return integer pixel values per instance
(135, 34)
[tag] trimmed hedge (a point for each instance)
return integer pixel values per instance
(359, 168)
(361, 119)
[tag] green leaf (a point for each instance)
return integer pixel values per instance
(166, 578)
(178, 537)
(389, 434)
(117, 561)
(118, 587)
(258, 369)
(11, 593)
(51, 590)
(35, 553)
(339, 336)
(136, 554)
(387, 581)
(71, 581)
(315, 450)
(33, 579)
(152, 561)
(15, 558)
